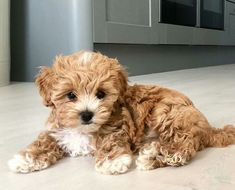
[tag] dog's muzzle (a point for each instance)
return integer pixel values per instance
(86, 117)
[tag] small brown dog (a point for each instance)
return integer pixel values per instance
(95, 112)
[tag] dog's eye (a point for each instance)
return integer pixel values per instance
(71, 96)
(100, 94)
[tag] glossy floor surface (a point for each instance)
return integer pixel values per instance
(212, 89)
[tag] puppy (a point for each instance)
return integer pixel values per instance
(95, 112)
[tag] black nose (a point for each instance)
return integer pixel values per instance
(86, 116)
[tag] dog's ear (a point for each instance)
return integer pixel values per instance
(44, 81)
(122, 75)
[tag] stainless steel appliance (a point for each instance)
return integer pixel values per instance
(212, 14)
(180, 12)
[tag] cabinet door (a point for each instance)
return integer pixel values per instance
(231, 22)
(122, 21)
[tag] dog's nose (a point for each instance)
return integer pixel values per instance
(86, 116)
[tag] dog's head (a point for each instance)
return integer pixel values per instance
(82, 89)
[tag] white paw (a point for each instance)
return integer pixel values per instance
(148, 158)
(175, 160)
(117, 166)
(25, 164)
(144, 162)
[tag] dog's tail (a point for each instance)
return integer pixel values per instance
(221, 137)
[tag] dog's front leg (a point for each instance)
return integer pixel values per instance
(42, 153)
(114, 155)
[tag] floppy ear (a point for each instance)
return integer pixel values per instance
(122, 76)
(44, 81)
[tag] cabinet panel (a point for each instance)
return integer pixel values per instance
(175, 34)
(122, 21)
(119, 33)
(231, 22)
(208, 37)
(134, 12)
(232, 27)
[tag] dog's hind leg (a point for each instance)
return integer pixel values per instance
(155, 155)
(39, 155)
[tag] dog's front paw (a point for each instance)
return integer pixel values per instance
(24, 163)
(116, 166)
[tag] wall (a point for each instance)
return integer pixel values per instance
(144, 59)
(40, 30)
(4, 42)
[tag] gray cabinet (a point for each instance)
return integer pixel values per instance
(231, 22)
(137, 22)
(123, 21)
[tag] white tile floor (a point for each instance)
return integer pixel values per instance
(212, 89)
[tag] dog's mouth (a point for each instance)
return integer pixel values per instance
(88, 127)
(87, 123)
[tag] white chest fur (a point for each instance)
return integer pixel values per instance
(73, 142)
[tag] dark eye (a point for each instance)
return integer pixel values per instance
(71, 96)
(100, 94)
